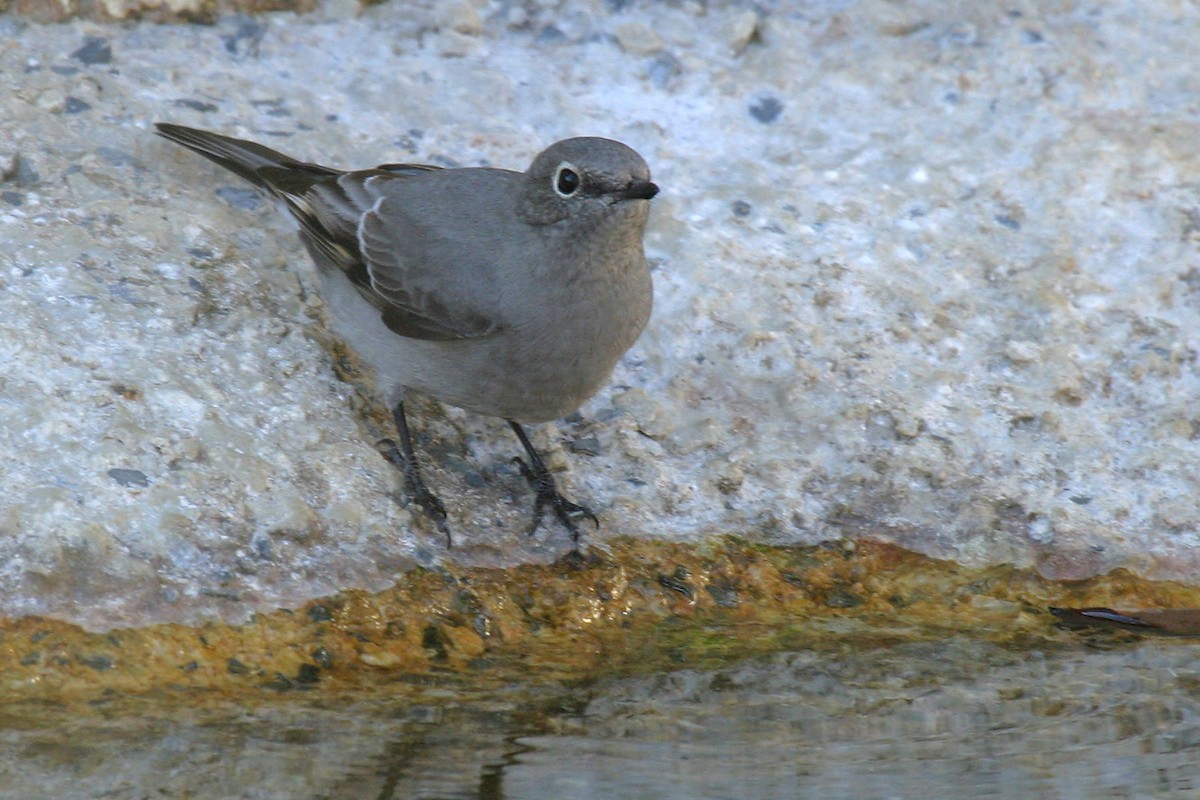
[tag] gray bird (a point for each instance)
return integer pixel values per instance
(511, 294)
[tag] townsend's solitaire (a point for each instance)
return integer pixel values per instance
(505, 293)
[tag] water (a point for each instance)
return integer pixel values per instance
(951, 719)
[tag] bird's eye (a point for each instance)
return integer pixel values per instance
(566, 180)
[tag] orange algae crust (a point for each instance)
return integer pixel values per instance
(637, 608)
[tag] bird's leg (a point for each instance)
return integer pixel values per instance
(543, 485)
(404, 458)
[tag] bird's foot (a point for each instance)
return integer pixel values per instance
(415, 487)
(547, 495)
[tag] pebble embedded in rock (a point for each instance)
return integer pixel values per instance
(248, 199)
(766, 109)
(95, 50)
(663, 70)
(196, 105)
(740, 29)
(97, 662)
(308, 674)
(460, 16)
(589, 446)
(638, 39)
(129, 477)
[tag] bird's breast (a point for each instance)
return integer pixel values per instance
(570, 344)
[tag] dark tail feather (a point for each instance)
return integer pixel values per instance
(240, 157)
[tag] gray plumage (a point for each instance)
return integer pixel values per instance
(504, 293)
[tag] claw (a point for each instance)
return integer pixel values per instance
(547, 494)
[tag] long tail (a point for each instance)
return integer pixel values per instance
(239, 156)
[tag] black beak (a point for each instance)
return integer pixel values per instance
(641, 190)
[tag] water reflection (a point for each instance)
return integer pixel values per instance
(956, 719)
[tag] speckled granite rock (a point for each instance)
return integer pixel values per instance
(155, 10)
(922, 273)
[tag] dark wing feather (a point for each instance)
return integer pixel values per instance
(328, 217)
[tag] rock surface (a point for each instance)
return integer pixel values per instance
(922, 273)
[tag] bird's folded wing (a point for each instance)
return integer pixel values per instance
(423, 285)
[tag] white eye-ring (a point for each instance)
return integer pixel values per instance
(567, 180)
